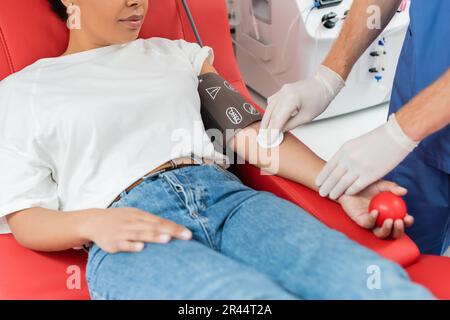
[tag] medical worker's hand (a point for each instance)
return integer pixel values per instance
(364, 160)
(127, 229)
(301, 102)
(357, 207)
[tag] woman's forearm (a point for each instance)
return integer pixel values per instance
(49, 230)
(291, 159)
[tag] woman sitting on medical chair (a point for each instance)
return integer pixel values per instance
(80, 130)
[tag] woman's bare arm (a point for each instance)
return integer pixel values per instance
(291, 159)
(113, 230)
(49, 230)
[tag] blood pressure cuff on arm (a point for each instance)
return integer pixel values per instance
(224, 110)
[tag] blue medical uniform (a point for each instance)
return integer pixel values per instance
(425, 172)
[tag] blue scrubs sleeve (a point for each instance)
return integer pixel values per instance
(424, 59)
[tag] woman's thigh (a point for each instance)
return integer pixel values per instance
(306, 257)
(176, 270)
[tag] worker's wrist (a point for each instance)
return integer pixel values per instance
(339, 66)
(330, 79)
(398, 134)
(411, 124)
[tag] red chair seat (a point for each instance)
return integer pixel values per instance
(27, 274)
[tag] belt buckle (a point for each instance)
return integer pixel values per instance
(173, 164)
(152, 174)
(115, 200)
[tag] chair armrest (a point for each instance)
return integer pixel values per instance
(432, 272)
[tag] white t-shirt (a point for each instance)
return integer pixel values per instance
(76, 130)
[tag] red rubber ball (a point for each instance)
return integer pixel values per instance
(389, 206)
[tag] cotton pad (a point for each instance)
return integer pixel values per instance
(263, 139)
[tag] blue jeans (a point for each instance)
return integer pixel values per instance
(246, 244)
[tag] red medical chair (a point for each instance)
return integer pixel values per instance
(30, 31)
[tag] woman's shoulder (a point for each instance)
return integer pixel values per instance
(18, 78)
(158, 41)
(166, 44)
(7, 86)
(16, 118)
(15, 91)
(9, 81)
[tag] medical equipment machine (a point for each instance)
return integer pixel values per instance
(284, 41)
(232, 12)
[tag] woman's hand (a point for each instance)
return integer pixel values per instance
(357, 207)
(127, 229)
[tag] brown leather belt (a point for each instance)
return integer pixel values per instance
(167, 166)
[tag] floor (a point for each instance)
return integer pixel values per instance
(325, 137)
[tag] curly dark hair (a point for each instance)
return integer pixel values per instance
(59, 8)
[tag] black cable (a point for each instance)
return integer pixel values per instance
(192, 22)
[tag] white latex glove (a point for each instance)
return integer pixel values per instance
(303, 101)
(364, 160)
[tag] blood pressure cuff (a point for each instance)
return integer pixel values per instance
(224, 110)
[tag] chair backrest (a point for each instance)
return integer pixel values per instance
(30, 31)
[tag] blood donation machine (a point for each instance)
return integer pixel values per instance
(283, 41)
